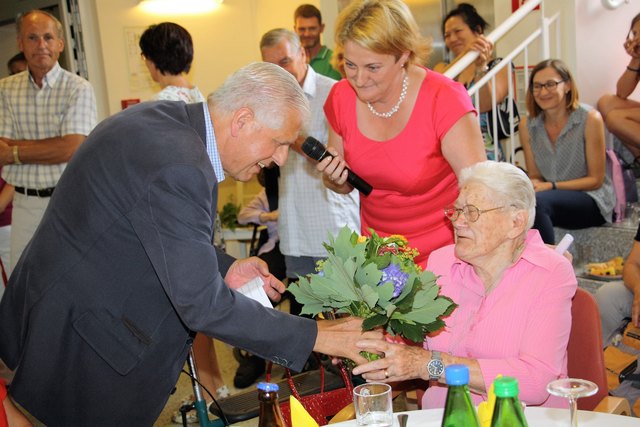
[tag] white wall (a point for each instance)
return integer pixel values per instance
(8, 47)
(224, 40)
(591, 41)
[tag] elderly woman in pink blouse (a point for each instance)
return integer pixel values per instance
(513, 294)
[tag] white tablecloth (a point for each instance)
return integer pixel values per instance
(536, 417)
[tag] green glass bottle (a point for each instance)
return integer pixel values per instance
(458, 409)
(508, 409)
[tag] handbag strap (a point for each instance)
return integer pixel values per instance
(292, 384)
(294, 390)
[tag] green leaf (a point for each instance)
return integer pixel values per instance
(344, 249)
(406, 299)
(429, 313)
(369, 295)
(312, 309)
(383, 261)
(390, 309)
(385, 293)
(373, 322)
(412, 332)
(434, 326)
(368, 275)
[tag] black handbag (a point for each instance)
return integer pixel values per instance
(502, 110)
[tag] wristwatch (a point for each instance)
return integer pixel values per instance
(435, 367)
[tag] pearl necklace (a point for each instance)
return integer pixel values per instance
(403, 95)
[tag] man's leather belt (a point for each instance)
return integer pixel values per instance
(42, 192)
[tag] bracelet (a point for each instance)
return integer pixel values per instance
(16, 157)
(553, 185)
(482, 72)
(635, 70)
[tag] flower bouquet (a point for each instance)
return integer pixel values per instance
(375, 278)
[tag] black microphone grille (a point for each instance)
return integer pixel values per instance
(313, 148)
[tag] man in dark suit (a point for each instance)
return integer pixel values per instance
(100, 311)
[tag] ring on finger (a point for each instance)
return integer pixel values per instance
(386, 374)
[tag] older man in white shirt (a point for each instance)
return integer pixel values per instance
(308, 210)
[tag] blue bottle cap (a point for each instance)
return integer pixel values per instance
(456, 374)
(268, 387)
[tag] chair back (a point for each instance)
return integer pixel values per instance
(3, 414)
(585, 353)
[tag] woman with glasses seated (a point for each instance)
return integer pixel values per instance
(564, 150)
(513, 294)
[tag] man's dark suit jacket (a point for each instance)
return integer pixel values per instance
(98, 314)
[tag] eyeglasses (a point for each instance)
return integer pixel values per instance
(471, 213)
(549, 86)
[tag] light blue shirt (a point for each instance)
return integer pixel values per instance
(212, 147)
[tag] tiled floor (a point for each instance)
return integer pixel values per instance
(228, 366)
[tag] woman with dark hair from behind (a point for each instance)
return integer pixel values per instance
(167, 50)
(564, 150)
(463, 30)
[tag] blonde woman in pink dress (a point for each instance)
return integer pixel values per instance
(405, 129)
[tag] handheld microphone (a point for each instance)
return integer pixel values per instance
(314, 149)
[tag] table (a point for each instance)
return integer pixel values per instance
(536, 417)
(237, 241)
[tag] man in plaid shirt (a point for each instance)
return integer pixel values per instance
(47, 112)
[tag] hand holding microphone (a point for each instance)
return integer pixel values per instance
(314, 149)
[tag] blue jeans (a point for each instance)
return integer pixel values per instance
(568, 209)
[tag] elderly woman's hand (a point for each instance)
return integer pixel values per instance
(400, 362)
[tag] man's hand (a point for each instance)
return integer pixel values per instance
(247, 269)
(338, 338)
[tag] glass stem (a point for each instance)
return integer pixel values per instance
(573, 409)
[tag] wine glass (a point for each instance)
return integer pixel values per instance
(572, 389)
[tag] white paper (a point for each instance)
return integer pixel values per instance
(564, 243)
(254, 290)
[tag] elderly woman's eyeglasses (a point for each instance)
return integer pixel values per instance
(549, 86)
(471, 213)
